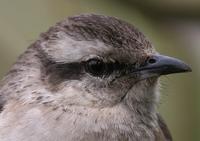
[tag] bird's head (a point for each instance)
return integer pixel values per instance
(101, 61)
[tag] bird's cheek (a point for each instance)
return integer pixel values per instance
(144, 89)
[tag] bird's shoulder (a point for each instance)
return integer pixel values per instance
(164, 133)
(1, 103)
(3, 99)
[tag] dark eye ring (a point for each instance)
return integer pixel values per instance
(96, 67)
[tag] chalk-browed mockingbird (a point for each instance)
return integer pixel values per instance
(88, 78)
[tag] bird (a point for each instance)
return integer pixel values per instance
(90, 77)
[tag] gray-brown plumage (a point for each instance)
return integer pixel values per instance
(89, 78)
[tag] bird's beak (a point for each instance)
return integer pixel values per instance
(158, 65)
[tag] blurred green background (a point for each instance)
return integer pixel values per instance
(172, 26)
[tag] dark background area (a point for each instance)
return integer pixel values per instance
(172, 26)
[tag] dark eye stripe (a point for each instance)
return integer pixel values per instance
(122, 68)
(74, 70)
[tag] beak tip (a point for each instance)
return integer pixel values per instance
(188, 69)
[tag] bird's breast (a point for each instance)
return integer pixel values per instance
(72, 124)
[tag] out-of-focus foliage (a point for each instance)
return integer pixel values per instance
(172, 26)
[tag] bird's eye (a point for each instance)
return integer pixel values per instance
(95, 67)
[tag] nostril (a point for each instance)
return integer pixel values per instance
(151, 60)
